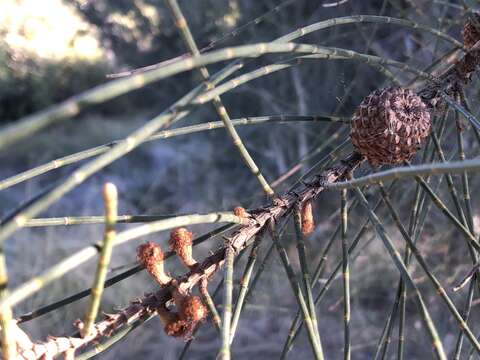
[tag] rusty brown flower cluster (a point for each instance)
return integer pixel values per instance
(308, 222)
(189, 309)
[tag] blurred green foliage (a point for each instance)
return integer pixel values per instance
(31, 84)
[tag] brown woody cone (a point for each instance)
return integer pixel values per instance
(390, 125)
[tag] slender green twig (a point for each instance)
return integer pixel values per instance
(113, 280)
(453, 167)
(328, 53)
(438, 287)
(465, 316)
(465, 182)
(71, 262)
(296, 323)
(469, 213)
(110, 199)
(468, 115)
(297, 290)
(217, 322)
(244, 282)
(187, 36)
(418, 206)
(380, 230)
(166, 134)
(139, 136)
(366, 19)
(384, 340)
(307, 286)
(227, 304)
(90, 220)
(214, 294)
(295, 330)
(71, 107)
(449, 179)
(443, 208)
(346, 277)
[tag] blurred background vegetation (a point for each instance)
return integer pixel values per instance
(53, 49)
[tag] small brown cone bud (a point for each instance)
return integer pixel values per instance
(469, 63)
(389, 126)
(173, 325)
(181, 243)
(189, 307)
(192, 309)
(151, 256)
(240, 212)
(470, 33)
(308, 222)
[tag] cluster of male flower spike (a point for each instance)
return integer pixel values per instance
(306, 214)
(388, 127)
(471, 60)
(470, 32)
(189, 308)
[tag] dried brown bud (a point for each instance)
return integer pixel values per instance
(189, 307)
(240, 212)
(308, 222)
(151, 256)
(173, 325)
(471, 35)
(192, 309)
(181, 243)
(390, 125)
(470, 32)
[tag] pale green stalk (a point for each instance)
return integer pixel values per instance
(453, 167)
(182, 25)
(346, 277)
(380, 230)
(110, 199)
(227, 304)
(73, 261)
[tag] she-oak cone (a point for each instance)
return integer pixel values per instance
(389, 126)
